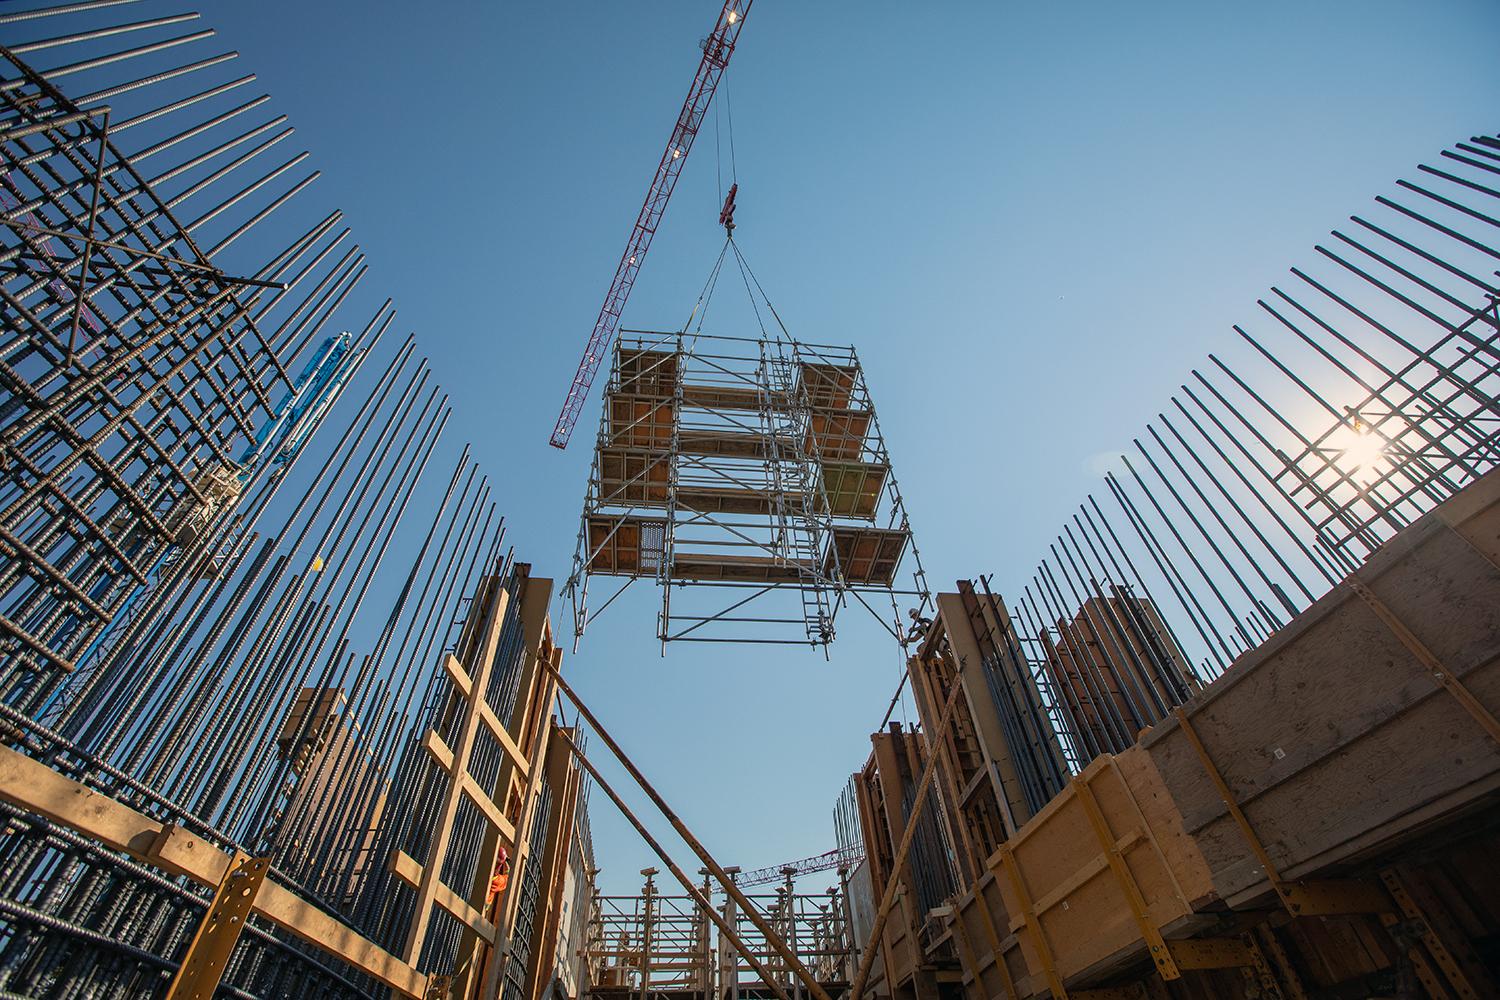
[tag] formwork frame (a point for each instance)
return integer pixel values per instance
(736, 471)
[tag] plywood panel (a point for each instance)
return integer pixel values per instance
(1078, 901)
(853, 488)
(1332, 736)
(625, 545)
(837, 434)
(866, 555)
(752, 569)
(827, 385)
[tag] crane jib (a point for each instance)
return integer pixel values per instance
(717, 49)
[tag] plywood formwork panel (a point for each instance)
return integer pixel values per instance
(896, 759)
(628, 546)
(1079, 921)
(1359, 742)
(1104, 641)
(1334, 739)
(866, 556)
(1000, 770)
(853, 489)
(996, 960)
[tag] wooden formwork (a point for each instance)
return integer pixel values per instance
(1321, 818)
(1107, 640)
(980, 786)
(503, 804)
(1104, 872)
(506, 803)
(882, 789)
(1364, 720)
(35, 787)
(565, 778)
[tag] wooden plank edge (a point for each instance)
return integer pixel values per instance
(33, 786)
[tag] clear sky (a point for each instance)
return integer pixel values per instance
(1031, 220)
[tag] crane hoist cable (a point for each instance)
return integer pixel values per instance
(700, 308)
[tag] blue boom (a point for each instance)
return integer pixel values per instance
(275, 446)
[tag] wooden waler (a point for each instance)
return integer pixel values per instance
(32, 785)
(489, 919)
(1255, 844)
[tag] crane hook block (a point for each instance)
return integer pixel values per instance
(726, 214)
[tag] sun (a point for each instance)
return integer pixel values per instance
(1360, 452)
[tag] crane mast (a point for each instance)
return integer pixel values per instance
(717, 48)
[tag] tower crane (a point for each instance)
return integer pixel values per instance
(717, 48)
(837, 858)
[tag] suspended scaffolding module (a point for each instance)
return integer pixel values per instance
(748, 467)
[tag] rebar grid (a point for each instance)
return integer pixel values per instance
(245, 650)
(1370, 397)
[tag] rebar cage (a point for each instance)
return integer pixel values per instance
(752, 468)
(204, 621)
(132, 366)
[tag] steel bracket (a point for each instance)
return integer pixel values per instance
(1329, 897)
(1211, 953)
(213, 945)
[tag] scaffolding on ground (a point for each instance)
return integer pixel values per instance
(749, 479)
(658, 945)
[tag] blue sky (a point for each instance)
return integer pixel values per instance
(1030, 219)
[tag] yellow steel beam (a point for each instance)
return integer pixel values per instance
(213, 945)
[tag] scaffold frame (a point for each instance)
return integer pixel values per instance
(736, 472)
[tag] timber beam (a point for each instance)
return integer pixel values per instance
(33, 786)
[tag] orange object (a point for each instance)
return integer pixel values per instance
(500, 879)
